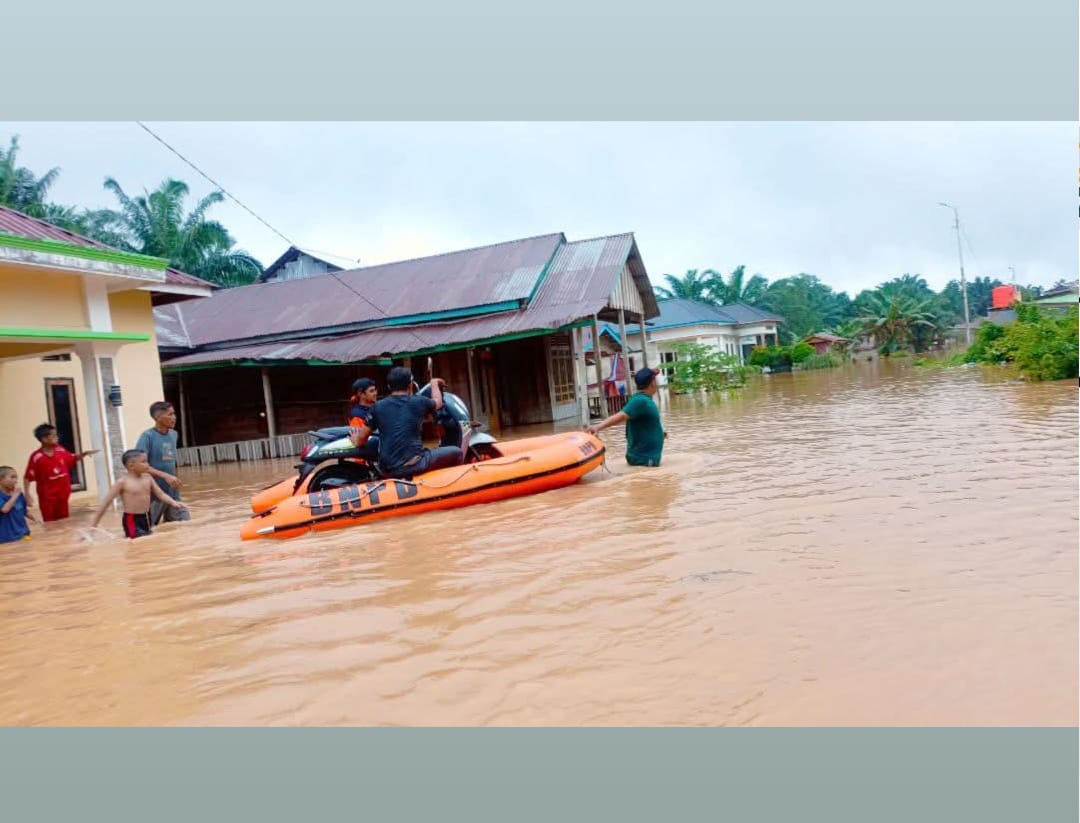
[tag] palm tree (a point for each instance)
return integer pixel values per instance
(736, 289)
(694, 285)
(894, 318)
(20, 188)
(154, 223)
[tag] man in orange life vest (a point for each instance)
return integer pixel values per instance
(365, 393)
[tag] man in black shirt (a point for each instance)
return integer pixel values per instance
(399, 420)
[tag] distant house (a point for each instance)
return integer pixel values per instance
(824, 342)
(1060, 299)
(297, 264)
(734, 329)
(77, 343)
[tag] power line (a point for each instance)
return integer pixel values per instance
(974, 258)
(381, 311)
(220, 187)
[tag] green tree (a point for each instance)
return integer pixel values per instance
(155, 224)
(980, 296)
(698, 366)
(895, 318)
(737, 288)
(694, 285)
(806, 304)
(20, 188)
(1041, 344)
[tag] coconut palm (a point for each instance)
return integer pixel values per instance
(737, 289)
(154, 223)
(894, 318)
(694, 285)
(20, 188)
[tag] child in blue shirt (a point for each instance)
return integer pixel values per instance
(13, 514)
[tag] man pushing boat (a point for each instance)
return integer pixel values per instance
(645, 434)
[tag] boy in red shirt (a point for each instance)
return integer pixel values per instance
(50, 467)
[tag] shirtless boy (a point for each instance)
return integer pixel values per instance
(136, 490)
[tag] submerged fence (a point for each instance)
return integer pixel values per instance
(285, 445)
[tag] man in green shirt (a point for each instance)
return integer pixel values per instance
(644, 434)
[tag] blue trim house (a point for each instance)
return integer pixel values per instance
(733, 329)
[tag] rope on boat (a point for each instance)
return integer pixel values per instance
(472, 467)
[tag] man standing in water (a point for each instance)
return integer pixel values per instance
(644, 434)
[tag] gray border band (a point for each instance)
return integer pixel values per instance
(879, 775)
(558, 60)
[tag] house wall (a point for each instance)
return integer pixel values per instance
(227, 404)
(39, 298)
(303, 266)
(138, 369)
(25, 380)
(522, 375)
(728, 339)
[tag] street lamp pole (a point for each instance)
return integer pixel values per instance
(963, 280)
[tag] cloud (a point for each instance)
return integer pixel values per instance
(854, 203)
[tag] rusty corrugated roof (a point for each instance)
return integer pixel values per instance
(576, 285)
(23, 225)
(447, 283)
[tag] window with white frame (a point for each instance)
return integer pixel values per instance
(562, 373)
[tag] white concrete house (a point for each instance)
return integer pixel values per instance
(732, 329)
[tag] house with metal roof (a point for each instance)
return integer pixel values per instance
(297, 263)
(732, 329)
(824, 342)
(77, 344)
(502, 325)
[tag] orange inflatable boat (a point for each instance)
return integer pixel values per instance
(529, 466)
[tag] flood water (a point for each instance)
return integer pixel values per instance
(877, 544)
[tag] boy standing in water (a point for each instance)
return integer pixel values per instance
(50, 467)
(136, 490)
(159, 444)
(13, 513)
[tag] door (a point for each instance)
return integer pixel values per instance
(564, 401)
(60, 398)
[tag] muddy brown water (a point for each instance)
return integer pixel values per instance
(871, 545)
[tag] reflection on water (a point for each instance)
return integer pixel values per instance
(870, 545)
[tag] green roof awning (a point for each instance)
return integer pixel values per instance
(69, 335)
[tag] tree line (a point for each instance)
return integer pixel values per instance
(153, 223)
(899, 313)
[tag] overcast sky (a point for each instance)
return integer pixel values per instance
(853, 203)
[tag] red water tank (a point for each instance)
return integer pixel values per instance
(1004, 296)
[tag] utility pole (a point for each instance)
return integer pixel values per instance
(963, 280)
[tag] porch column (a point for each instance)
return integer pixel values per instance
(577, 341)
(271, 422)
(626, 353)
(644, 342)
(184, 430)
(599, 366)
(474, 409)
(93, 386)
